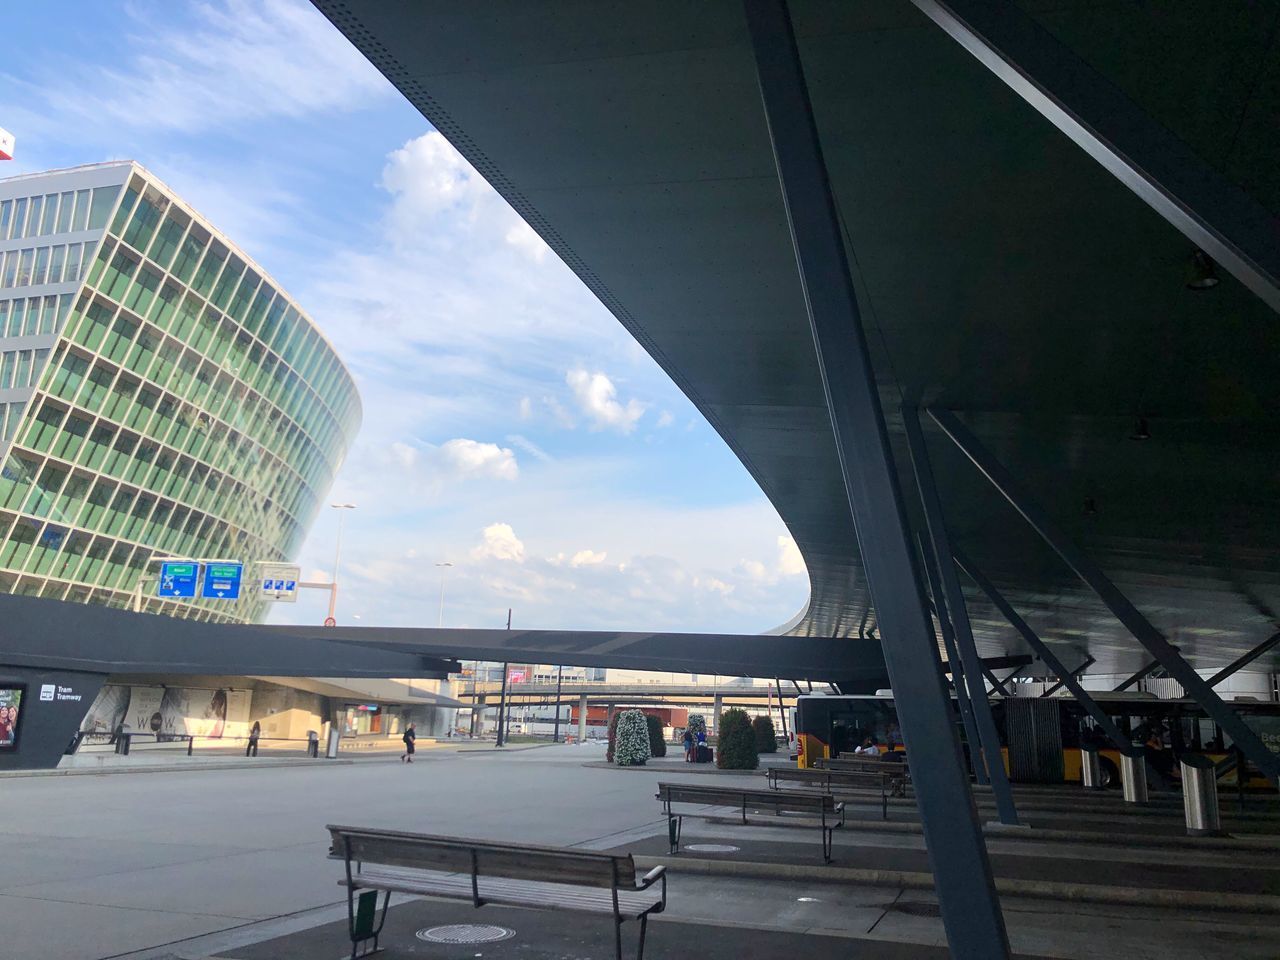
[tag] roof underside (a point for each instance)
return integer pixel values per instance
(1002, 274)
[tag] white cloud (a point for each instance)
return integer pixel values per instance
(525, 239)
(526, 408)
(499, 542)
(529, 447)
(790, 562)
(427, 176)
(587, 558)
(596, 397)
(470, 458)
(238, 62)
(665, 419)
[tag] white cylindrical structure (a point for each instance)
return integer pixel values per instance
(1090, 769)
(1133, 775)
(1200, 796)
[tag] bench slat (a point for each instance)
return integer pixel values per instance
(454, 854)
(771, 799)
(456, 886)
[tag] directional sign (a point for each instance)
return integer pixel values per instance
(279, 581)
(222, 581)
(177, 580)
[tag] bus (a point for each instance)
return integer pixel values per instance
(1047, 732)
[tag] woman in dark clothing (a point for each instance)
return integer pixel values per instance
(409, 738)
(251, 750)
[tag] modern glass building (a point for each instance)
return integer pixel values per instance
(160, 396)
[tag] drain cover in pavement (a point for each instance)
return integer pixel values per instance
(465, 933)
(711, 847)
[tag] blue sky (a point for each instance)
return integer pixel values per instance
(512, 427)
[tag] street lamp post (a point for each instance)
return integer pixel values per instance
(444, 569)
(337, 558)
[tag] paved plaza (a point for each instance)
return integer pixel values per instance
(232, 863)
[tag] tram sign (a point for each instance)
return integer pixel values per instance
(177, 579)
(6, 145)
(279, 581)
(222, 581)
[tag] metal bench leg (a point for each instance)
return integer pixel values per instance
(828, 841)
(617, 937)
(644, 927)
(674, 826)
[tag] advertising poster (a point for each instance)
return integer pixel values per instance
(108, 710)
(143, 713)
(10, 708)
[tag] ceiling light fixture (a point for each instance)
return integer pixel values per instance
(1141, 430)
(1201, 273)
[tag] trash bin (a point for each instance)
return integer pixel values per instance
(1090, 768)
(1133, 774)
(331, 747)
(313, 744)
(1200, 796)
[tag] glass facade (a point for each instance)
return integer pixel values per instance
(160, 396)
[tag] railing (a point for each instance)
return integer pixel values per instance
(123, 743)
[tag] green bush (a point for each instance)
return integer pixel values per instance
(632, 748)
(657, 743)
(766, 739)
(736, 743)
(696, 722)
(613, 737)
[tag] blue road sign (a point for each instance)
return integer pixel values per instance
(222, 581)
(177, 580)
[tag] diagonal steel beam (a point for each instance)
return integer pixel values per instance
(1240, 663)
(1088, 662)
(1042, 650)
(996, 681)
(1142, 674)
(1212, 212)
(959, 615)
(957, 852)
(1142, 629)
(954, 665)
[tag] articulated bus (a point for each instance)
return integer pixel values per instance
(1041, 736)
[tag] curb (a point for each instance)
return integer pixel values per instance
(493, 750)
(166, 768)
(1037, 889)
(1264, 843)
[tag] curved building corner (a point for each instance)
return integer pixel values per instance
(160, 396)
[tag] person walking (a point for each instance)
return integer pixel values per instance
(688, 746)
(409, 738)
(251, 748)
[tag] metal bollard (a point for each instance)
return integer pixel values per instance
(1200, 796)
(313, 744)
(1090, 769)
(1133, 775)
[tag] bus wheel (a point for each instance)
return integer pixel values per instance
(1110, 776)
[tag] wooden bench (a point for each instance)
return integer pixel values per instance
(729, 801)
(898, 769)
(483, 872)
(832, 781)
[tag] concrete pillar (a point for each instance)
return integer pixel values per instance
(582, 718)
(717, 706)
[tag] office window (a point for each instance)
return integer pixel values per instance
(19, 218)
(33, 218)
(10, 269)
(103, 199)
(72, 272)
(26, 261)
(80, 220)
(66, 206)
(48, 316)
(41, 267)
(50, 214)
(57, 256)
(6, 217)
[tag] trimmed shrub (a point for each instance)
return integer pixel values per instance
(736, 744)
(632, 748)
(613, 737)
(766, 739)
(697, 722)
(657, 743)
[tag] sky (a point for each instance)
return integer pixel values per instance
(512, 427)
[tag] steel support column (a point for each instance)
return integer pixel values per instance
(973, 680)
(1042, 651)
(957, 669)
(1142, 629)
(957, 853)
